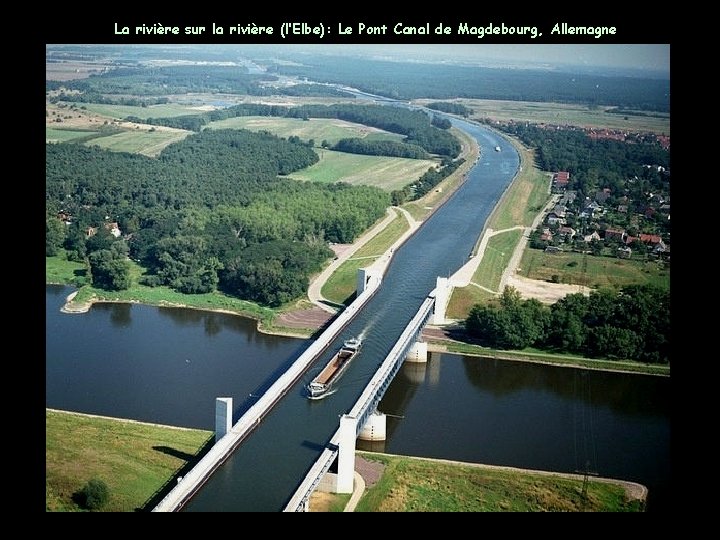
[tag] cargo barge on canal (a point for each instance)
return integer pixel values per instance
(321, 385)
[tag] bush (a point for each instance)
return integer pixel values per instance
(95, 494)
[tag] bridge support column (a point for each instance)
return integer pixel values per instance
(375, 428)
(442, 297)
(223, 417)
(346, 455)
(418, 352)
(366, 279)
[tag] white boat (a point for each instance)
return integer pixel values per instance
(321, 385)
(497, 148)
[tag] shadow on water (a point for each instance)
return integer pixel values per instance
(192, 460)
(313, 446)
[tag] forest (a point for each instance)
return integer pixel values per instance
(160, 81)
(413, 80)
(633, 323)
(209, 212)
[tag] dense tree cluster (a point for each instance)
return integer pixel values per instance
(109, 267)
(380, 148)
(426, 182)
(450, 107)
(589, 161)
(633, 323)
(209, 211)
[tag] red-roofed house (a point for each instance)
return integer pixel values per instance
(650, 239)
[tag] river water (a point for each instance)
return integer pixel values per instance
(168, 365)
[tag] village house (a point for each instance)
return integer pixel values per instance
(602, 195)
(546, 235)
(560, 181)
(566, 232)
(615, 234)
(590, 237)
(557, 215)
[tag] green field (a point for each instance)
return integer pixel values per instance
(319, 129)
(417, 485)
(591, 271)
(134, 460)
(563, 114)
(497, 254)
(153, 111)
(61, 135)
(388, 173)
(341, 285)
(525, 197)
(149, 143)
(60, 271)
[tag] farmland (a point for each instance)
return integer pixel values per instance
(149, 143)
(388, 173)
(319, 129)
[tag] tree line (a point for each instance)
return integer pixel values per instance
(160, 81)
(450, 107)
(632, 323)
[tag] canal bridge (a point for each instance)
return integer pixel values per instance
(363, 415)
(364, 419)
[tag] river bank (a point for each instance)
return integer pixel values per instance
(399, 483)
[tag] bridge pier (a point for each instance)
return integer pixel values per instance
(442, 297)
(418, 352)
(375, 429)
(346, 454)
(366, 279)
(223, 417)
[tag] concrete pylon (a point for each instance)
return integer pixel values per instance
(223, 417)
(346, 455)
(418, 352)
(375, 428)
(366, 279)
(442, 297)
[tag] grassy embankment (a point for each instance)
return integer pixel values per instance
(135, 460)
(63, 271)
(543, 357)
(565, 114)
(418, 485)
(340, 287)
(518, 206)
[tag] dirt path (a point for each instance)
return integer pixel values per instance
(343, 253)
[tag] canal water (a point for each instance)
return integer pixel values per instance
(168, 365)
